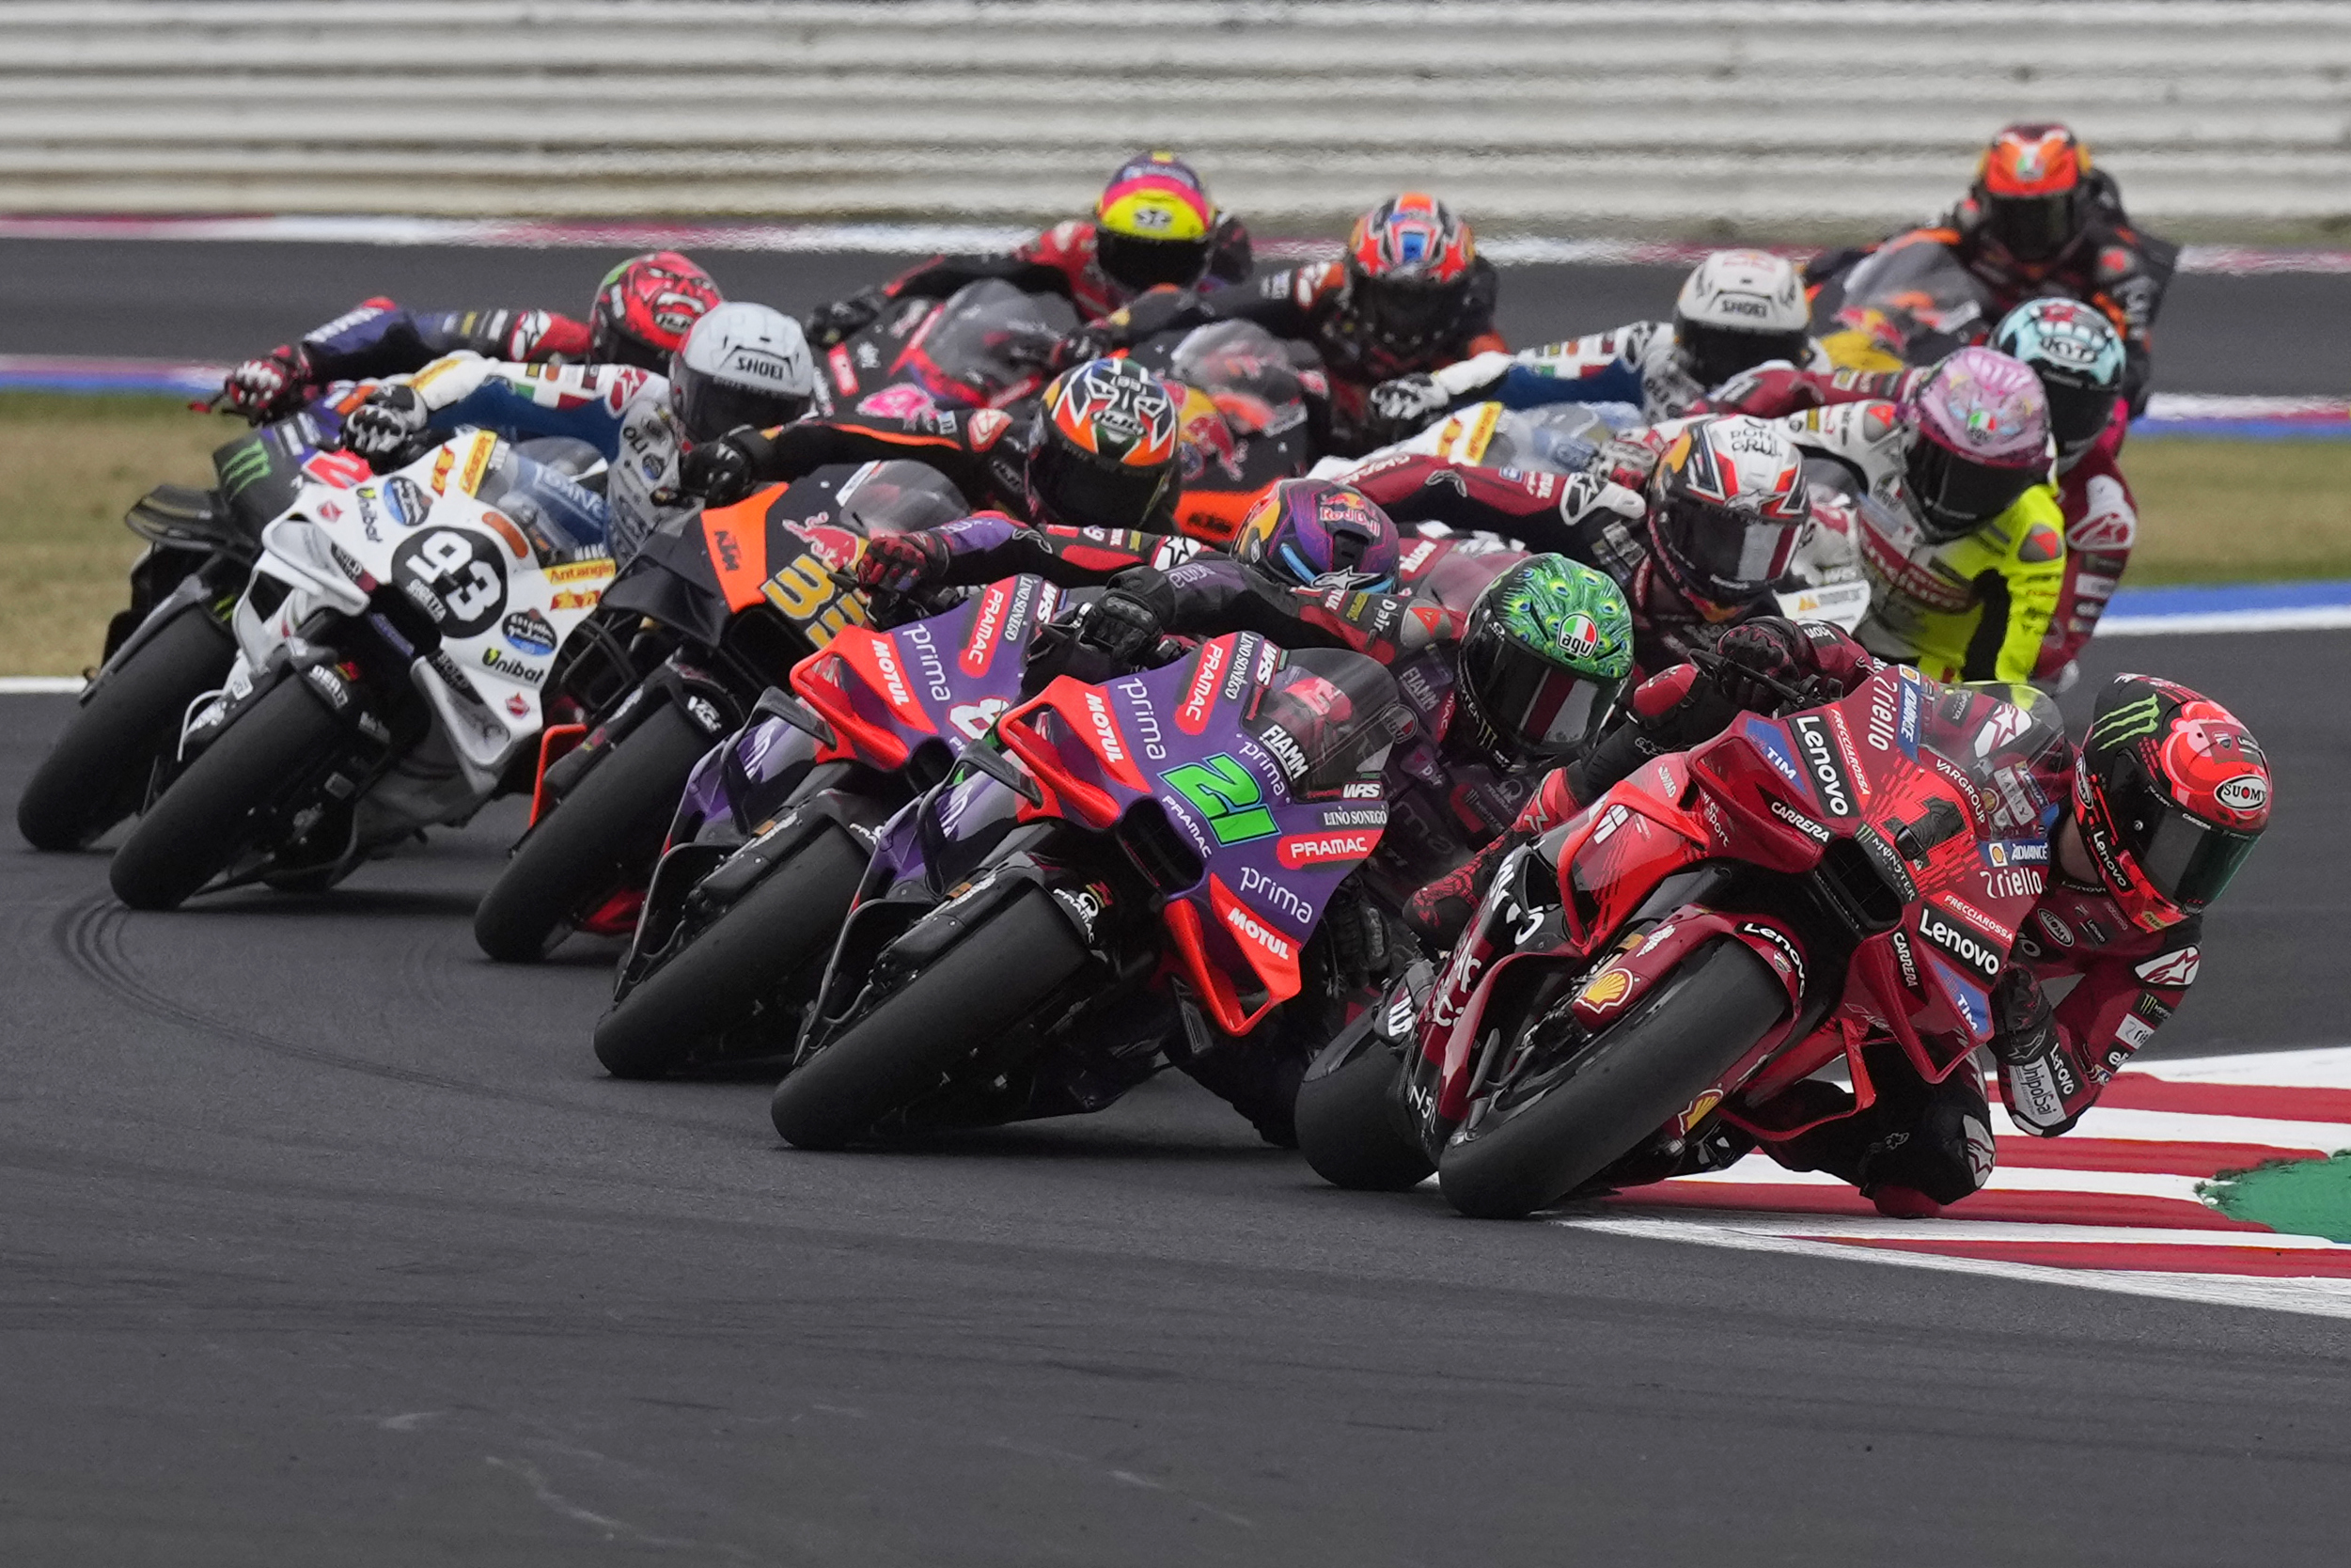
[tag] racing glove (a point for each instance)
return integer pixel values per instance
(1629, 457)
(1753, 653)
(1359, 948)
(266, 388)
(1126, 623)
(828, 324)
(720, 471)
(900, 563)
(1403, 406)
(2046, 1085)
(385, 426)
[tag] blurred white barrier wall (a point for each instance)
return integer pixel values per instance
(1657, 116)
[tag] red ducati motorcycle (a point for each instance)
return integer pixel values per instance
(1723, 924)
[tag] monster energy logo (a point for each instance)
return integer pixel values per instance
(245, 467)
(2128, 722)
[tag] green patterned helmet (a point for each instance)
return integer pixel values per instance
(1548, 646)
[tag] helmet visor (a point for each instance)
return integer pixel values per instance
(1406, 313)
(1081, 491)
(1542, 709)
(1141, 263)
(2032, 228)
(1956, 496)
(1730, 553)
(1712, 354)
(2076, 414)
(2187, 860)
(709, 408)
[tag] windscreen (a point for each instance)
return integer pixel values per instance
(990, 342)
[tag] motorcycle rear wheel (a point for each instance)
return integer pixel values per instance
(715, 981)
(593, 841)
(994, 977)
(1347, 1125)
(97, 773)
(202, 823)
(1624, 1086)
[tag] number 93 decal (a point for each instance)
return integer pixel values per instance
(456, 575)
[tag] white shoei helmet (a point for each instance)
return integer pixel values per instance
(1738, 309)
(741, 365)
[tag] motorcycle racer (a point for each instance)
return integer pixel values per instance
(1737, 309)
(2040, 219)
(2079, 358)
(641, 311)
(1959, 531)
(1711, 521)
(1154, 224)
(1099, 447)
(740, 364)
(1411, 295)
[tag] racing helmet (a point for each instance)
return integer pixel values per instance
(1738, 309)
(1979, 438)
(2031, 185)
(741, 365)
(2171, 791)
(1727, 505)
(1547, 647)
(1108, 452)
(2078, 356)
(1154, 224)
(1317, 533)
(644, 309)
(1410, 266)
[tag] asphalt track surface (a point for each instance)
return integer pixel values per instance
(2275, 335)
(325, 1241)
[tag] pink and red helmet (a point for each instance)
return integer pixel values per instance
(1980, 439)
(644, 309)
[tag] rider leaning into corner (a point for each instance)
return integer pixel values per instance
(1959, 531)
(2147, 821)
(739, 365)
(1413, 294)
(2041, 220)
(1736, 310)
(640, 312)
(1154, 226)
(1100, 447)
(1701, 519)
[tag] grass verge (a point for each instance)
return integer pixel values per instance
(2210, 511)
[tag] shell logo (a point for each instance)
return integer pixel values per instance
(1607, 989)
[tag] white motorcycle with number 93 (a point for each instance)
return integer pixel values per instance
(395, 645)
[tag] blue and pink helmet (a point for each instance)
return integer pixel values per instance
(1317, 533)
(1980, 439)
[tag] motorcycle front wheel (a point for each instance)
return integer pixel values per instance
(97, 773)
(1533, 1147)
(1012, 960)
(1347, 1122)
(715, 981)
(593, 841)
(204, 821)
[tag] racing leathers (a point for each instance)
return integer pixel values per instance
(379, 337)
(620, 409)
(1977, 608)
(1061, 261)
(2112, 265)
(1309, 303)
(2101, 526)
(1639, 364)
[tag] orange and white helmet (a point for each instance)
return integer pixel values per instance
(1107, 455)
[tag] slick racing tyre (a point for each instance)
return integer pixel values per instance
(97, 773)
(988, 981)
(1540, 1141)
(1346, 1121)
(204, 821)
(676, 1011)
(594, 842)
